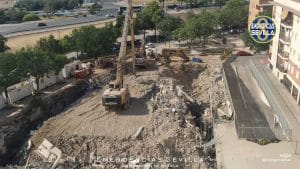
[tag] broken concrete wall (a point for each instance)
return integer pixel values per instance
(20, 90)
(49, 80)
(14, 131)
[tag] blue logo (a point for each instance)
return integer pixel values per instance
(262, 29)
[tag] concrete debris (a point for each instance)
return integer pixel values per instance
(138, 133)
(49, 153)
(182, 93)
(168, 120)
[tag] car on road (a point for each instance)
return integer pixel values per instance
(40, 24)
(109, 15)
(149, 45)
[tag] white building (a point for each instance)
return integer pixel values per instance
(68, 70)
(284, 54)
(20, 90)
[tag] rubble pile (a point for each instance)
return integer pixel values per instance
(15, 129)
(209, 87)
(171, 139)
(173, 106)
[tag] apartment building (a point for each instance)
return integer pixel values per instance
(258, 6)
(284, 53)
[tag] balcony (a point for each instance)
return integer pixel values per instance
(285, 35)
(288, 21)
(281, 65)
(284, 55)
(283, 51)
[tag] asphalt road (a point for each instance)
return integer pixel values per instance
(108, 7)
(8, 29)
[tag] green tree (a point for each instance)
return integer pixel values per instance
(95, 41)
(167, 25)
(234, 15)
(95, 9)
(30, 17)
(179, 35)
(154, 13)
(205, 24)
(3, 17)
(30, 5)
(50, 45)
(67, 43)
(9, 73)
(37, 63)
(144, 22)
(3, 46)
(14, 15)
(248, 41)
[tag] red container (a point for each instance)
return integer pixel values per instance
(82, 74)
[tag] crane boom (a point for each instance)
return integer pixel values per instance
(122, 53)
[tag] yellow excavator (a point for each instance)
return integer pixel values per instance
(117, 95)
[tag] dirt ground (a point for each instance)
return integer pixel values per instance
(30, 39)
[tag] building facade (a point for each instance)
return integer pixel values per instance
(258, 6)
(284, 56)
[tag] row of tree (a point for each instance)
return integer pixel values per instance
(195, 27)
(12, 15)
(19, 12)
(15, 67)
(48, 54)
(48, 5)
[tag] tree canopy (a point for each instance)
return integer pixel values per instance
(3, 46)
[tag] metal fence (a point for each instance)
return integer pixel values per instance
(269, 93)
(284, 132)
(264, 132)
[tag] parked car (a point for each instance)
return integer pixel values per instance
(149, 45)
(41, 24)
(242, 53)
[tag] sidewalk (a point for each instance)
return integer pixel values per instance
(235, 153)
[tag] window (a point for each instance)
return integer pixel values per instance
(297, 75)
(292, 69)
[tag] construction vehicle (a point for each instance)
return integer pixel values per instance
(140, 59)
(171, 55)
(117, 95)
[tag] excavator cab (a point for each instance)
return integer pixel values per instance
(116, 98)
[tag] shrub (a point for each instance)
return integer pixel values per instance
(30, 17)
